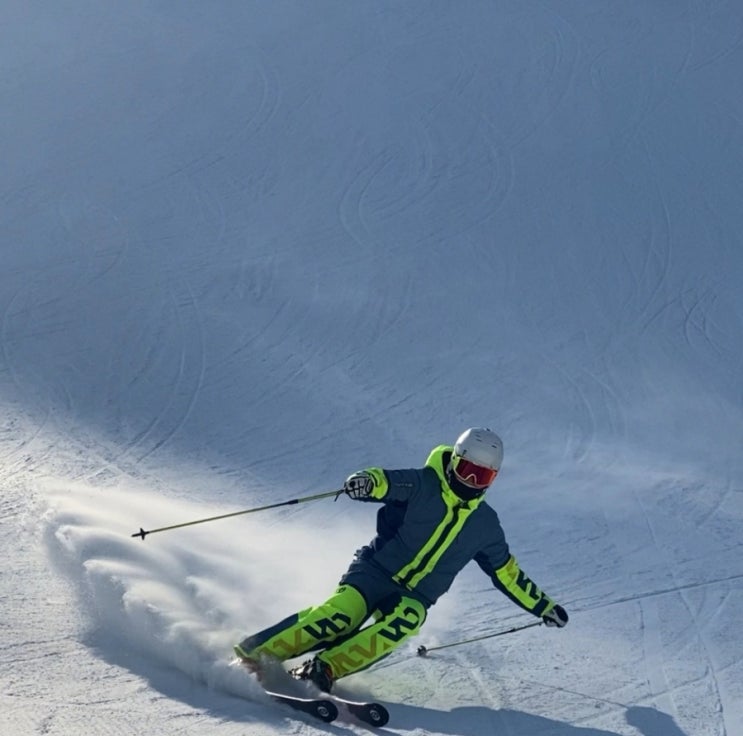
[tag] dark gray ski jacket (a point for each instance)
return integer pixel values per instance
(426, 534)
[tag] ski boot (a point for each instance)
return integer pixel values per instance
(251, 664)
(316, 671)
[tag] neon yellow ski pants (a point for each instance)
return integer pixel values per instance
(333, 627)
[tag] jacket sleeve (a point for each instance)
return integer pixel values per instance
(511, 580)
(501, 566)
(394, 485)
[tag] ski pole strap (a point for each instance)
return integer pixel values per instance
(142, 533)
(423, 651)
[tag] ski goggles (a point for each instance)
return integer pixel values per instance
(476, 476)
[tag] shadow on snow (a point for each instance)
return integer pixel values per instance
(461, 721)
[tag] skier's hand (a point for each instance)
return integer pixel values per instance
(556, 616)
(359, 486)
(370, 484)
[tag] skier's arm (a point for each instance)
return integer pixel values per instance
(377, 484)
(513, 582)
(501, 566)
(497, 562)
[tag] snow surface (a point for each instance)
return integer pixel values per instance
(250, 247)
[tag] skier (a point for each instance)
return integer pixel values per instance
(433, 521)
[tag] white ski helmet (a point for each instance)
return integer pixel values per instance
(477, 457)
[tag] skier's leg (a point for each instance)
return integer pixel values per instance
(304, 631)
(394, 623)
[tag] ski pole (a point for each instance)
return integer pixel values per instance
(142, 533)
(423, 651)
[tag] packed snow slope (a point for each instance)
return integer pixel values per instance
(250, 247)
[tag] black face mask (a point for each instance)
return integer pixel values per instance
(465, 492)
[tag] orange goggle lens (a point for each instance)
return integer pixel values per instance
(471, 474)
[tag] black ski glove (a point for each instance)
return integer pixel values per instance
(556, 616)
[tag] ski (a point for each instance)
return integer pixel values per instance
(323, 705)
(322, 708)
(371, 713)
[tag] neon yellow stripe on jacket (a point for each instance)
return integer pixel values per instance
(518, 585)
(430, 553)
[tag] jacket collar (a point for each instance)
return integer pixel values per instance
(438, 459)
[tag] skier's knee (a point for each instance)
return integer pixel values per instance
(376, 641)
(309, 629)
(405, 620)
